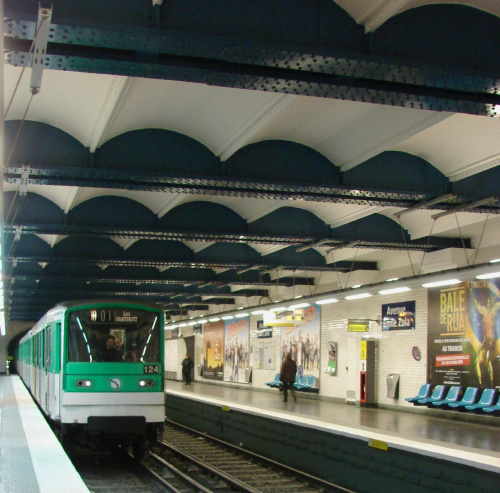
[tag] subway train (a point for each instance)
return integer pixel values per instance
(96, 369)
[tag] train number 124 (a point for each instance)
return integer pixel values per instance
(151, 369)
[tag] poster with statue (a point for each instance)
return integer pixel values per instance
(213, 350)
(302, 341)
(236, 354)
(464, 334)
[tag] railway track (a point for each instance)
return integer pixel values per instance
(186, 461)
(218, 466)
(113, 470)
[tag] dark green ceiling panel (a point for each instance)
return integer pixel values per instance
(484, 184)
(453, 35)
(71, 270)
(230, 252)
(376, 228)
(283, 161)
(291, 21)
(311, 22)
(397, 171)
(27, 245)
(88, 247)
(160, 250)
(157, 150)
(112, 211)
(32, 209)
(289, 256)
(203, 216)
(42, 144)
(27, 269)
(130, 272)
(179, 273)
(290, 221)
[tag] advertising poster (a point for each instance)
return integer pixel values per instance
(464, 335)
(332, 358)
(398, 316)
(302, 341)
(237, 335)
(213, 350)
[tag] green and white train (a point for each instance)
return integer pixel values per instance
(96, 369)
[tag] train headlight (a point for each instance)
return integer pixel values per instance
(85, 384)
(146, 382)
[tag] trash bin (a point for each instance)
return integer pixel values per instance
(248, 374)
(199, 370)
(393, 385)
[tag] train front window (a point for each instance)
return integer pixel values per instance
(113, 335)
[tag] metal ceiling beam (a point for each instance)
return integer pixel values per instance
(143, 180)
(305, 242)
(283, 282)
(234, 187)
(338, 267)
(255, 65)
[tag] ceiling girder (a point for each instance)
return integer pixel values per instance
(282, 282)
(425, 244)
(171, 183)
(343, 266)
(256, 65)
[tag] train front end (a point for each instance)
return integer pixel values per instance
(112, 379)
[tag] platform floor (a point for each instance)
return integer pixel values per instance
(31, 458)
(475, 444)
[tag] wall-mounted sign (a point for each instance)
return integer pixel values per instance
(357, 325)
(415, 352)
(263, 332)
(398, 316)
(362, 351)
(332, 358)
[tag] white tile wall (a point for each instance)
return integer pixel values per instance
(393, 348)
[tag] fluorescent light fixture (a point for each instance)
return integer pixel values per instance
(494, 261)
(257, 312)
(183, 325)
(192, 323)
(327, 301)
(357, 296)
(356, 286)
(278, 309)
(215, 319)
(241, 315)
(298, 297)
(299, 305)
(491, 275)
(402, 289)
(436, 284)
(227, 317)
(392, 279)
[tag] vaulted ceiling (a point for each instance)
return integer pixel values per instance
(212, 155)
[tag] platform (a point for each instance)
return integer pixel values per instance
(31, 458)
(453, 439)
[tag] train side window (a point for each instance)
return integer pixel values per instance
(47, 346)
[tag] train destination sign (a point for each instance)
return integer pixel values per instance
(115, 316)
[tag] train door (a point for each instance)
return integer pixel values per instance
(46, 366)
(41, 369)
(34, 361)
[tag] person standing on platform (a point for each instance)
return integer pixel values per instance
(187, 366)
(287, 376)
